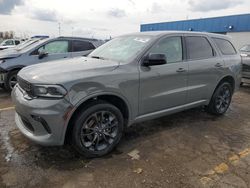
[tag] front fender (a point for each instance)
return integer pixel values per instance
(75, 106)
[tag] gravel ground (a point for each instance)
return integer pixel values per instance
(188, 149)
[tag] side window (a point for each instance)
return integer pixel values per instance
(8, 43)
(17, 42)
(198, 48)
(55, 47)
(225, 46)
(78, 46)
(171, 47)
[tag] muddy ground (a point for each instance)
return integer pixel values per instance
(188, 149)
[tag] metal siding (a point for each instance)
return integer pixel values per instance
(240, 23)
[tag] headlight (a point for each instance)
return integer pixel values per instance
(2, 61)
(49, 91)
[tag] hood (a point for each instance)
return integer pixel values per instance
(62, 71)
(9, 53)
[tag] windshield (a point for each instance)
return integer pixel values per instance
(245, 48)
(121, 49)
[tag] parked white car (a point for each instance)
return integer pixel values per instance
(9, 43)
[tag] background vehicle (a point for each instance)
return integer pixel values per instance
(245, 54)
(9, 43)
(132, 78)
(41, 50)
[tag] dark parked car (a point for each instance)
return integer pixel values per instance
(245, 54)
(40, 50)
(90, 100)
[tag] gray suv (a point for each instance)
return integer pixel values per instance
(89, 101)
(38, 51)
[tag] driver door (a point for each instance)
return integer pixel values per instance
(164, 86)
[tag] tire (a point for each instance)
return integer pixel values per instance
(10, 81)
(221, 99)
(98, 129)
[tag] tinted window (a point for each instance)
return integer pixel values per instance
(225, 46)
(55, 47)
(78, 46)
(198, 48)
(17, 42)
(171, 47)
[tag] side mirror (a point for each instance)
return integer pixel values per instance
(155, 59)
(42, 54)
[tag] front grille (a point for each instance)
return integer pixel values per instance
(246, 67)
(25, 85)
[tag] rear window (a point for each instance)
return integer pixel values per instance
(78, 46)
(198, 48)
(225, 46)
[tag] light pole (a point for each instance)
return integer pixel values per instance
(59, 29)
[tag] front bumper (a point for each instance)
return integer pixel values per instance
(41, 120)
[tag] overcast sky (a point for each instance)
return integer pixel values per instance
(101, 19)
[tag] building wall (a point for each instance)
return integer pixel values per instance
(233, 23)
(240, 38)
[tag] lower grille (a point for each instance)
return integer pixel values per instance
(27, 124)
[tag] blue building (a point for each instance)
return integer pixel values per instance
(237, 26)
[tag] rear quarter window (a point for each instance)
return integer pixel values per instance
(78, 46)
(225, 46)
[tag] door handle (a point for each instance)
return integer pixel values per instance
(218, 65)
(181, 70)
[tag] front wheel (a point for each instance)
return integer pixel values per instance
(98, 129)
(11, 80)
(221, 99)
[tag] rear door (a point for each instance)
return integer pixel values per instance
(205, 68)
(81, 48)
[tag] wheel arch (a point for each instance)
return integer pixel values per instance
(15, 68)
(230, 79)
(111, 98)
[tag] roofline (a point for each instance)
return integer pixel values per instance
(169, 32)
(197, 19)
(81, 38)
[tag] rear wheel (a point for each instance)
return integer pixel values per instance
(98, 129)
(11, 80)
(221, 99)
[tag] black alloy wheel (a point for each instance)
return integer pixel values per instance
(98, 129)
